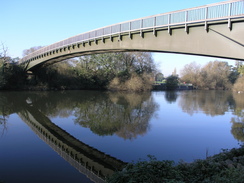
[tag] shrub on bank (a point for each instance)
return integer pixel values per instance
(228, 166)
(239, 85)
(133, 83)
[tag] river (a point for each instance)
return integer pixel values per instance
(83, 136)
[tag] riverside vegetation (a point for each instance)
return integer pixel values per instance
(228, 166)
(114, 71)
(129, 71)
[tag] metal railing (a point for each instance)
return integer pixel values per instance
(218, 11)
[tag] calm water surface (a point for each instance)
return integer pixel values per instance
(82, 136)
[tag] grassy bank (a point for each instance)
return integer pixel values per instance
(228, 167)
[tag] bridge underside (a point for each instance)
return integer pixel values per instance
(217, 39)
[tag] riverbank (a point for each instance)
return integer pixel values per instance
(227, 166)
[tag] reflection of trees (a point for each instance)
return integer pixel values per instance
(216, 103)
(210, 102)
(5, 110)
(124, 114)
(136, 114)
(104, 113)
(3, 124)
(127, 115)
(171, 96)
(237, 128)
(52, 104)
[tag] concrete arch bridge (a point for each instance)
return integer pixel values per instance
(212, 30)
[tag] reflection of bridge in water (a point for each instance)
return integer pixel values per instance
(94, 164)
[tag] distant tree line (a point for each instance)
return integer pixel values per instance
(214, 75)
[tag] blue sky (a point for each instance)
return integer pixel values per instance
(28, 23)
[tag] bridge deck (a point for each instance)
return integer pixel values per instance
(227, 12)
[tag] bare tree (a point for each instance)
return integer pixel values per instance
(215, 75)
(191, 73)
(4, 52)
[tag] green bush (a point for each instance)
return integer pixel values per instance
(12, 76)
(227, 166)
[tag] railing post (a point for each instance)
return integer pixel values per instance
(103, 40)
(229, 19)
(186, 20)
(154, 25)
(130, 29)
(141, 26)
(111, 38)
(169, 21)
(206, 17)
(89, 38)
(230, 7)
(120, 38)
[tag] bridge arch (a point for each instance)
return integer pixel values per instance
(214, 30)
